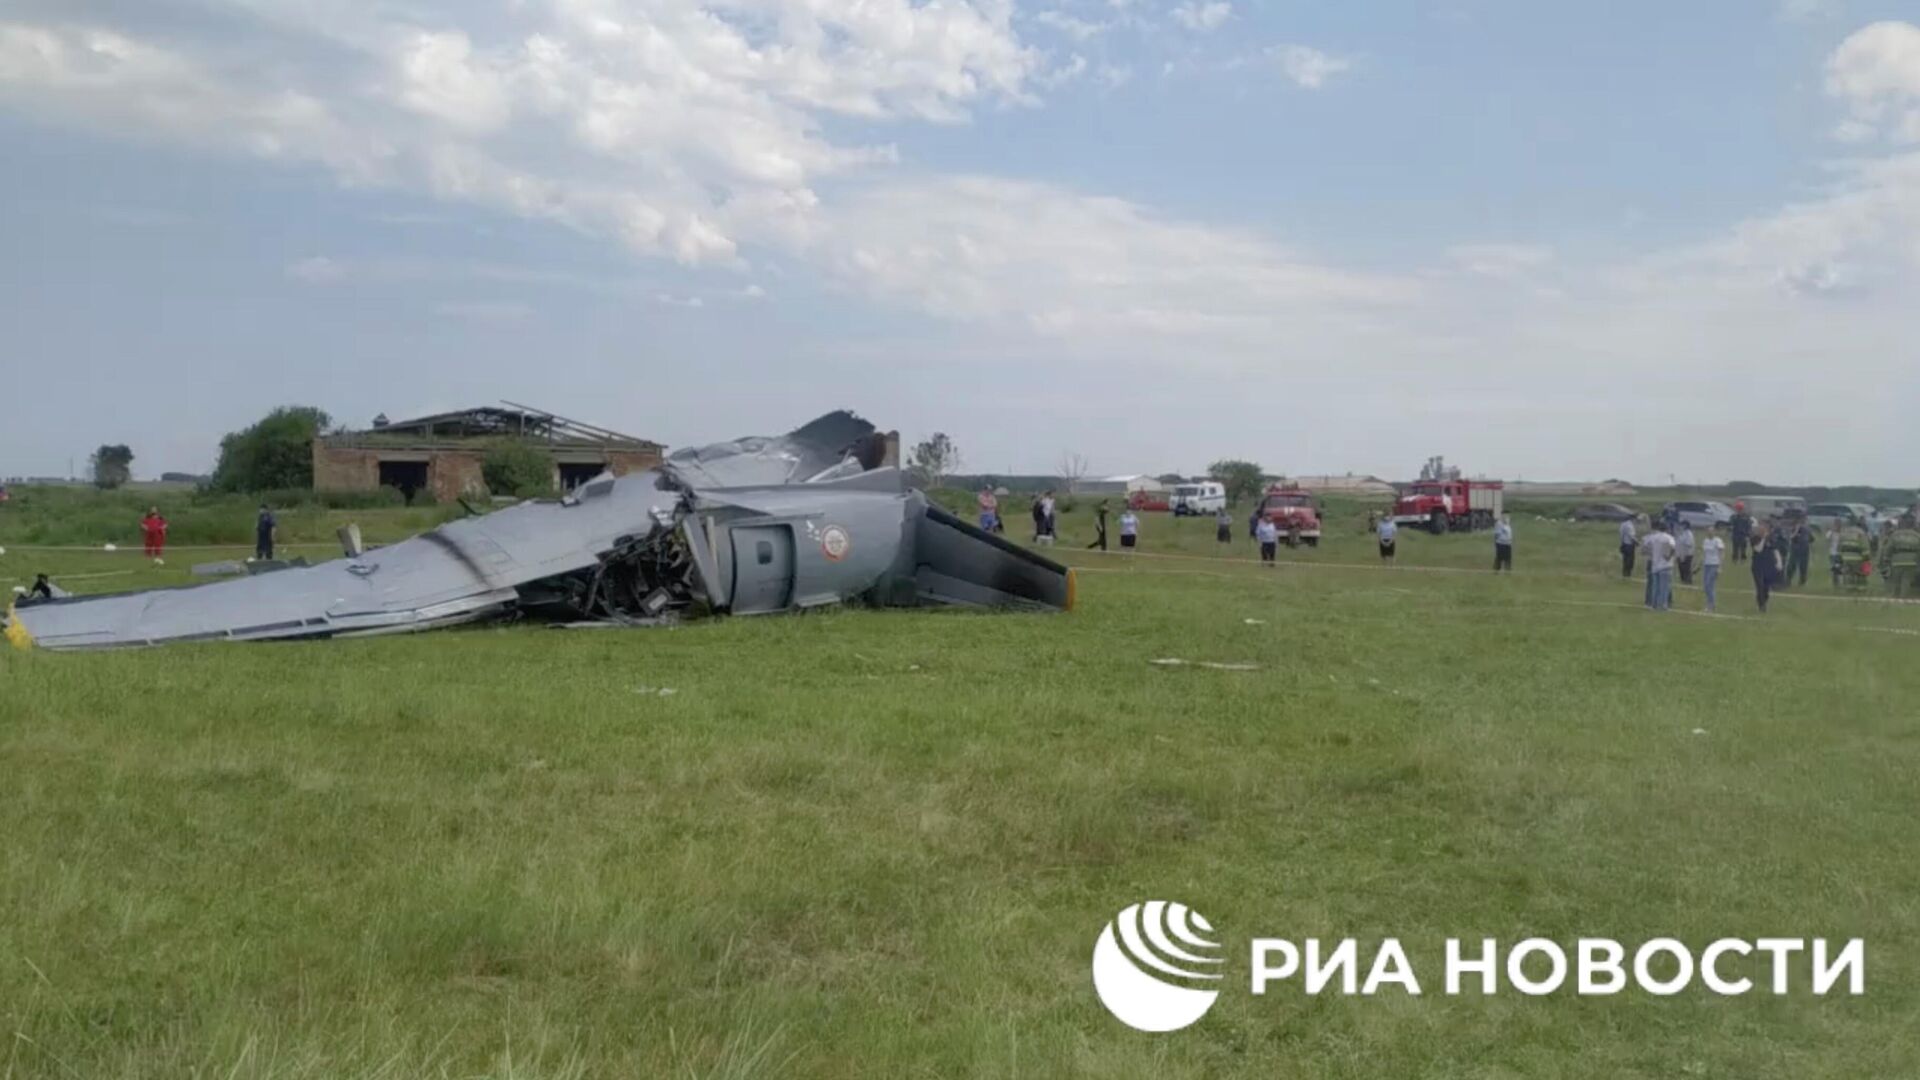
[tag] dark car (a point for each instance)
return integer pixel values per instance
(1603, 512)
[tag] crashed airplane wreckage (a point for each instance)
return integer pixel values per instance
(747, 527)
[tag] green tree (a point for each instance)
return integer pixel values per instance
(112, 465)
(1242, 479)
(276, 452)
(514, 468)
(935, 459)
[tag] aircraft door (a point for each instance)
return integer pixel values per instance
(762, 569)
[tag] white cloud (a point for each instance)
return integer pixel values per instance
(1503, 261)
(1042, 257)
(1876, 72)
(685, 128)
(1202, 15)
(1076, 28)
(1307, 66)
(1054, 78)
(316, 270)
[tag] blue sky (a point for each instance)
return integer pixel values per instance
(1545, 240)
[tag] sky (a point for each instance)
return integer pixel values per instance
(1548, 241)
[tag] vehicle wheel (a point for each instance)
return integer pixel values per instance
(1313, 541)
(1439, 523)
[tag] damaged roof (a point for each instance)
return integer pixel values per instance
(508, 420)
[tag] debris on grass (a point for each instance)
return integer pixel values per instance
(1255, 622)
(1699, 731)
(1174, 661)
(655, 691)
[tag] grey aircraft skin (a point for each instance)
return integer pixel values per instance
(749, 527)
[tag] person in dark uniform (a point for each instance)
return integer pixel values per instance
(1777, 547)
(264, 529)
(1099, 526)
(1800, 550)
(1766, 567)
(1742, 527)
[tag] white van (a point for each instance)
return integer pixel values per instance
(1763, 507)
(1207, 497)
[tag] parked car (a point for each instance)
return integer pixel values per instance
(1604, 512)
(1823, 515)
(1700, 514)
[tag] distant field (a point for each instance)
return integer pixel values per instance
(880, 844)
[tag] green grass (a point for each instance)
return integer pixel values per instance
(880, 844)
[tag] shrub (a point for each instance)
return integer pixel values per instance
(514, 468)
(275, 453)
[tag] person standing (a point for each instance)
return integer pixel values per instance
(1223, 526)
(1833, 549)
(1039, 520)
(1099, 526)
(1269, 536)
(153, 532)
(1742, 527)
(1503, 544)
(1902, 557)
(1660, 556)
(1683, 551)
(1800, 552)
(1129, 529)
(1711, 549)
(1387, 531)
(989, 510)
(1766, 566)
(1779, 544)
(265, 531)
(1049, 525)
(1629, 543)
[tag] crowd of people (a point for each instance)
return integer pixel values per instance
(1779, 553)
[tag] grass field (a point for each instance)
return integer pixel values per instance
(880, 844)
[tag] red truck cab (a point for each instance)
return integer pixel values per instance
(1291, 509)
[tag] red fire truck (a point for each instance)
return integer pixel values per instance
(1289, 507)
(1449, 504)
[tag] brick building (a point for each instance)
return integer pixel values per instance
(444, 454)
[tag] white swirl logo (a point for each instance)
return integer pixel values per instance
(1154, 936)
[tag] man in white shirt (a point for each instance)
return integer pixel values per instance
(1711, 549)
(1387, 530)
(1503, 545)
(1660, 552)
(1268, 534)
(1683, 548)
(1129, 529)
(1629, 542)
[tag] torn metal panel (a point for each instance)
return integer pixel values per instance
(754, 526)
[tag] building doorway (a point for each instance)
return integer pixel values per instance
(573, 474)
(409, 476)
